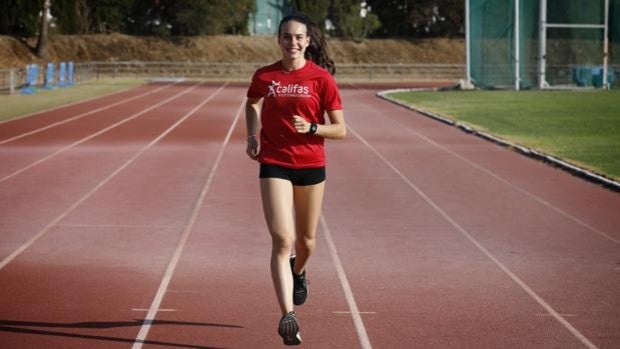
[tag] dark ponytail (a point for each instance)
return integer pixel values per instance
(317, 50)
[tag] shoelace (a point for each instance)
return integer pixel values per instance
(300, 280)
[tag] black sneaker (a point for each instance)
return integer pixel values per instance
(300, 285)
(289, 329)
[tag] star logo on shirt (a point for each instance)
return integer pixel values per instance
(272, 88)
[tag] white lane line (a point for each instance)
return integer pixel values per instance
(68, 104)
(348, 312)
(117, 226)
(159, 310)
(163, 286)
(95, 134)
(489, 255)
(79, 116)
(66, 212)
(501, 179)
(348, 293)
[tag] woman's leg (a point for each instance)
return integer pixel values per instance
(277, 197)
(307, 202)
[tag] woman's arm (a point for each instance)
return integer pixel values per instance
(337, 129)
(252, 112)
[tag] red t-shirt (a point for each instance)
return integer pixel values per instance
(309, 92)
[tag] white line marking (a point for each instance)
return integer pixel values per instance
(95, 134)
(79, 116)
(344, 282)
(117, 226)
(65, 213)
(161, 291)
(489, 255)
(159, 310)
(505, 181)
(564, 315)
(348, 312)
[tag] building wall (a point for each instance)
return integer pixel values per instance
(268, 15)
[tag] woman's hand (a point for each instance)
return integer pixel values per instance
(252, 110)
(252, 148)
(335, 130)
(301, 125)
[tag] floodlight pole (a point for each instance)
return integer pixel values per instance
(517, 51)
(606, 45)
(467, 44)
(542, 46)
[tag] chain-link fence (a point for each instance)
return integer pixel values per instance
(543, 43)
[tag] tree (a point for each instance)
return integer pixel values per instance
(229, 17)
(149, 17)
(190, 17)
(352, 19)
(358, 22)
(71, 16)
(435, 18)
(43, 30)
(393, 15)
(316, 10)
(107, 16)
(419, 18)
(20, 17)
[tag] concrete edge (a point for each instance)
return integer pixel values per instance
(566, 166)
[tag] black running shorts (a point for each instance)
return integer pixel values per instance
(299, 177)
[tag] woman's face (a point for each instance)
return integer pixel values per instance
(293, 40)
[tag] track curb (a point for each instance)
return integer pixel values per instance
(531, 153)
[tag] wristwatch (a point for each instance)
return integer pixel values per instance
(313, 128)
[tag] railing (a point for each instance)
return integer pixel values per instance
(11, 80)
(403, 72)
(14, 79)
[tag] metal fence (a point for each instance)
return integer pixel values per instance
(12, 80)
(243, 71)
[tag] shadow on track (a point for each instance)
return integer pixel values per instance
(16, 327)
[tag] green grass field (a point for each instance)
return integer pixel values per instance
(581, 127)
(18, 105)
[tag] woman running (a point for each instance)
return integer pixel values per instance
(291, 98)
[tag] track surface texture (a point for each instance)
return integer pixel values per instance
(134, 221)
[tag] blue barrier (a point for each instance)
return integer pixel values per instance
(70, 74)
(48, 83)
(32, 75)
(65, 77)
(589, 75)
(65, 74)
(62, 71)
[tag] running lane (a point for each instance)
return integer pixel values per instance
(25, 149)
(222, 286)
(443, 237)
(14, 127)
(34, 198)
(87, 282)
(445, 241)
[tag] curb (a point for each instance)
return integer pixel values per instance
(531, 153)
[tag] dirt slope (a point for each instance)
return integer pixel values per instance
(117, 47)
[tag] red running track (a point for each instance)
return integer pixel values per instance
(139, 225)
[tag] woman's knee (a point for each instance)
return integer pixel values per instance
(281, 241)
(307, 244)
